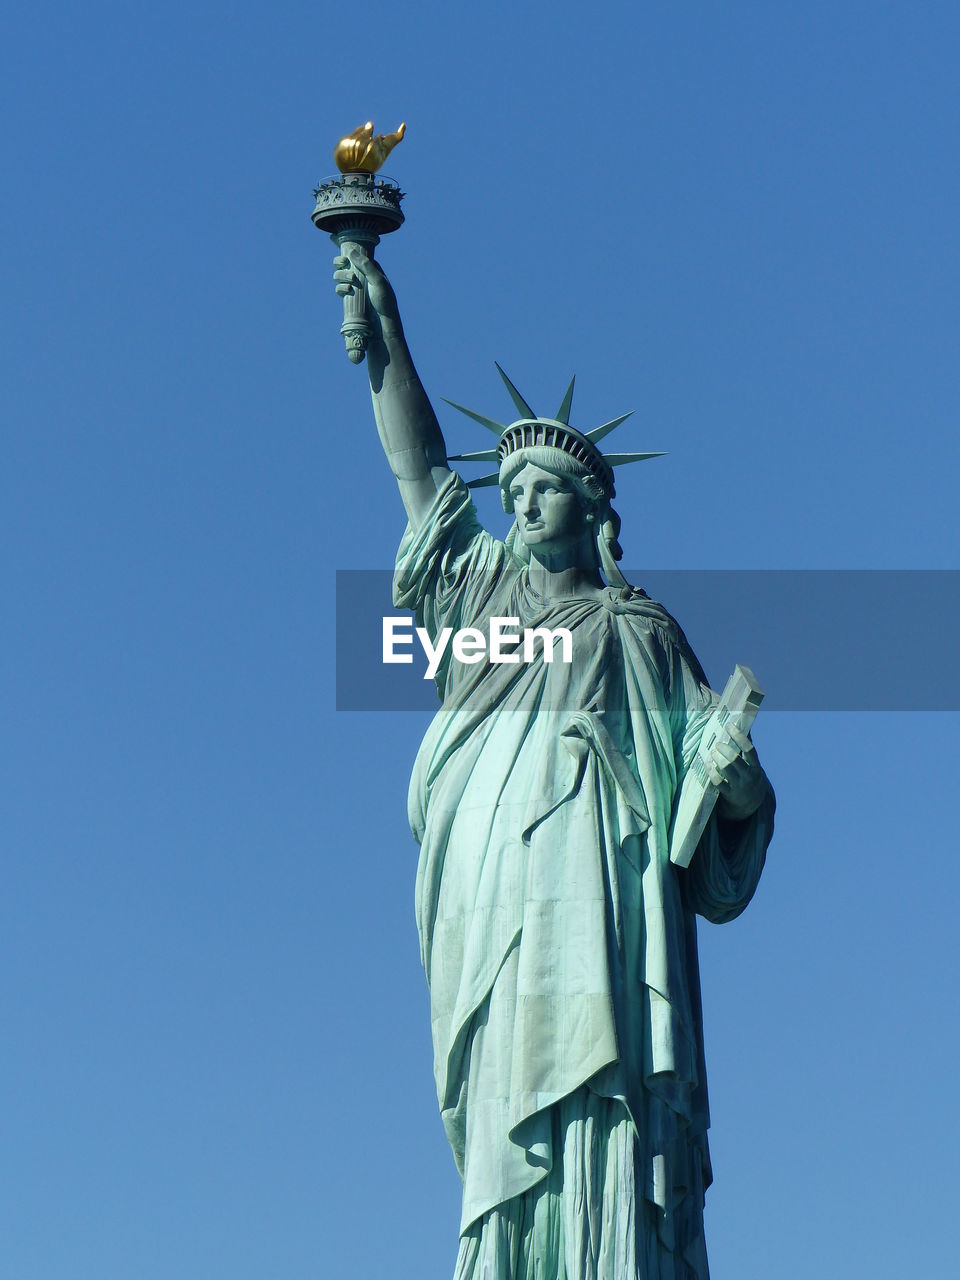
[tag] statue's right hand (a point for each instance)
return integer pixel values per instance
(356, 267)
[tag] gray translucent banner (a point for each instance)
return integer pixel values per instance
(817, 640)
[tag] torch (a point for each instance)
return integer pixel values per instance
(357, 208)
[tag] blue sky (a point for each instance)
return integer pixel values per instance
(739, 221)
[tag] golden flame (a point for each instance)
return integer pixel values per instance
(361, 152)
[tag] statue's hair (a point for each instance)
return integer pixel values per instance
(558, 463)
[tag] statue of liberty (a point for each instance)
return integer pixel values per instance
(558, 939)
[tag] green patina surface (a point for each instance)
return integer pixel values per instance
(558, 939)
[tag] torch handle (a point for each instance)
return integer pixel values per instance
(356, 329)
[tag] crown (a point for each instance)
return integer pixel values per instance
(530, 430)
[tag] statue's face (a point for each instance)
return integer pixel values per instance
(550, 512)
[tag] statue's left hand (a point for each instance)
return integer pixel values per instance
(734, 768)
(358, 267)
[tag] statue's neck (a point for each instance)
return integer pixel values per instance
(556, 578)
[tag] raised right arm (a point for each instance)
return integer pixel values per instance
(408, 427)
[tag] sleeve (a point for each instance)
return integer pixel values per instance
(725, 869)
(448, 568)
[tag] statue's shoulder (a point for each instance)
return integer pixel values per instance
(646, 613)
(652, 620)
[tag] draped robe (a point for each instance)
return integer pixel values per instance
(558, 940)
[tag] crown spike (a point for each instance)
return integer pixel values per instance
(484, 482)
(515, 395)
(599, 432)
(563, 413)
(498, 428)
(482, 455)
(621, 459)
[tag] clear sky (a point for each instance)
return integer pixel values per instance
(739, 220)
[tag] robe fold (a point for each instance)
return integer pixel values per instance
(558, 940)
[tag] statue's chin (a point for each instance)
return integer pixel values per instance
(540, 540)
